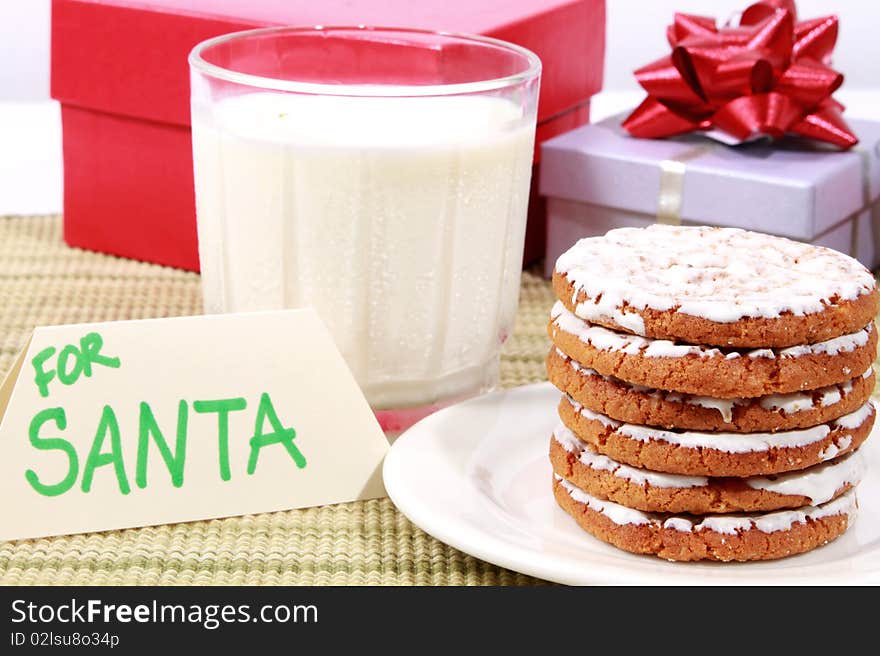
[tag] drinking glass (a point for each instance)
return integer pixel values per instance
(379, 175)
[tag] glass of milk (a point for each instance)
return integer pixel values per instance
(380, 176)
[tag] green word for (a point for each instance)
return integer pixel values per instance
(72, 362)
(106, 447)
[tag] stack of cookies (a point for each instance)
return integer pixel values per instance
(715, 391)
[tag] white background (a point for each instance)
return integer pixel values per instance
(30, 172)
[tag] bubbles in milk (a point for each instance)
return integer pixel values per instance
(401, 220)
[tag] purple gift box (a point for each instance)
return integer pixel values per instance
(597, 177)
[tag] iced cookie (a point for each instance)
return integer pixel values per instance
(651, 491)
(636, 404)
(710, 371)
(716, 286)
(741, 537)
(717, 454)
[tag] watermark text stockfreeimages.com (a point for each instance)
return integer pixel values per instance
(209, 616)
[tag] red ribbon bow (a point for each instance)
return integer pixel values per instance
(769, 75)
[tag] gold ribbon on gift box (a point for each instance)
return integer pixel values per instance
(671, 195)
(672, 171)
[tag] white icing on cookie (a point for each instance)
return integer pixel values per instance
(581, 369)
(719, 274)
(604, 339)
(595, 416)
(679, 524)
(723, 406)
(613, 511)
(832, 396)
(780, 520)
(789, 404)
(599, 312)
(836, 447)
(842, 344)
(818, 483)
(855, 419)
(571, 443)
(599, 337)
(727, 524)
(730, 524)
(730, 442)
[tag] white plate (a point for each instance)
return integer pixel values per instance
(476, 476)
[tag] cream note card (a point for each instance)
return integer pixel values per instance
(135, 423)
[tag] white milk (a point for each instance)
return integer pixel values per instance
(401, 220)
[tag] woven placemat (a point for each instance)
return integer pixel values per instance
(43, 282)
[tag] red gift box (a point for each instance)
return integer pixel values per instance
(119, 68)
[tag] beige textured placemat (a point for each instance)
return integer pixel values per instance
(42, 282)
